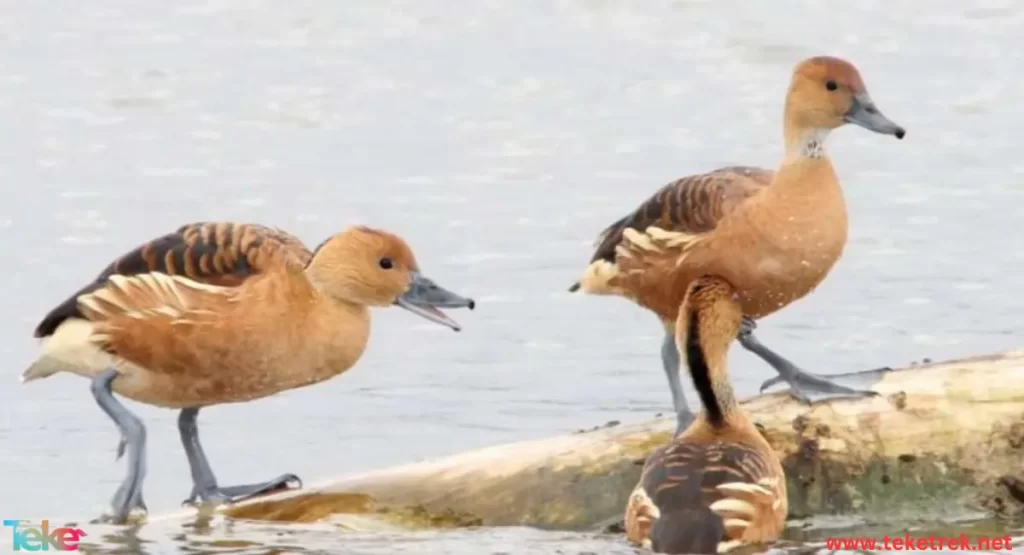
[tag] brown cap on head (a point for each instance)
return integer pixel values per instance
(825, 68)
(827, 92)
(385, 243)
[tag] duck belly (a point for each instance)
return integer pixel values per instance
(228, 375)
(771, 279)
(216, 386)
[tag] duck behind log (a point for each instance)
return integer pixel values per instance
(718, 485)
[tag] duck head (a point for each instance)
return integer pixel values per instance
(376, 268)
(826, 93)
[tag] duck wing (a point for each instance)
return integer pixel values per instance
(214, 253)
(683, 210)
(144, 317)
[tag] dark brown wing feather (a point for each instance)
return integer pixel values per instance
(692, 204)
(217, 253)
(680, 479)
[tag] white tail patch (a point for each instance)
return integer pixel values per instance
(597, 276)
(71, 348)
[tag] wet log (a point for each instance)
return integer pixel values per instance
(944, 437)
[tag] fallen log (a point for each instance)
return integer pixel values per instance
(940, 439)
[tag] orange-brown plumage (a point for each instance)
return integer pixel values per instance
(291, 318)
(776, 250)
(221, 313)
(774, 236)
(719, 484)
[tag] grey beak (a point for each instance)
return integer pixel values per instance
(425, 297)
(865, 114)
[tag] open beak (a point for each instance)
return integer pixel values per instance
(425, 297)
(864, 113)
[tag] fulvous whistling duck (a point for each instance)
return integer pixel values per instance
(719, 484)
(225, 313)
(773, 235)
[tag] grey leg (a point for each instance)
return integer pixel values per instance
(670, 361)
(133, 440)
(807, 387)
(204, 483)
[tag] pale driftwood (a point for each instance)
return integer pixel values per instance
(939, 437)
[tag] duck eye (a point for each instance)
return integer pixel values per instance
(831, 85)
(387, 263)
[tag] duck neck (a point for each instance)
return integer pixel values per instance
(804, 144)
(331, 312)
(805, 181)
(335, 333)
(706, 356)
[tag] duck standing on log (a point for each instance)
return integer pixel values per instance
(718, 485)
(773, 235)
(226, 313)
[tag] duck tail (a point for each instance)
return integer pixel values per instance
(597, 278)
(42, 368)
(688, 530)
(69, 349)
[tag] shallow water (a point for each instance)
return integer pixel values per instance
(499, 137)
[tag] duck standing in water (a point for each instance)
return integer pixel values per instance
(773, 235)
(226, 313)
(718, 485)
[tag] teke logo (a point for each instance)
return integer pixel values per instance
(40, 539)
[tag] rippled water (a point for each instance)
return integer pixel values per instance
(499, 137)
